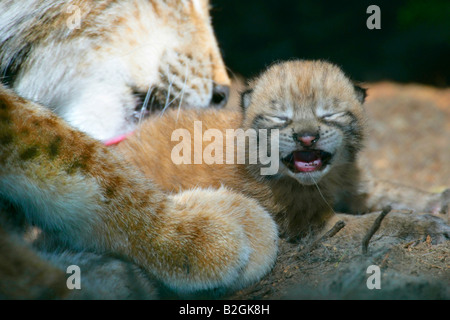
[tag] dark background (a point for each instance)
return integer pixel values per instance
(413, 44)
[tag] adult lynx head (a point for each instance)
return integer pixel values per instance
(318, 112)
(103, 64)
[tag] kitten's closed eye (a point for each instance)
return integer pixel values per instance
(271, 121)
(278, 119)
(334, 116)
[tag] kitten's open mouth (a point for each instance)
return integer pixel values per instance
(307, 161)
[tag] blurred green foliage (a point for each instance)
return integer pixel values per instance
(413, 44)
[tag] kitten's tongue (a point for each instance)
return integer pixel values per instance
(307, 161)
(117, 140)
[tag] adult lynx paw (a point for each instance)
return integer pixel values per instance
(410, 227)
(441, 203)
(214, 239)
(396, 227)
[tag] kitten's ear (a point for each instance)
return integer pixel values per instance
(246, 98)
(361, 93)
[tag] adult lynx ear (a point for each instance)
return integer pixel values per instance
(361, 93)
(246, 98)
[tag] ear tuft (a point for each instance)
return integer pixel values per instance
(246, 98)
(361, 93)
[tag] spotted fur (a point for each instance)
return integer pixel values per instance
(84, 197)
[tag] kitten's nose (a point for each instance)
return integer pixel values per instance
(306, 139)
(220, 96)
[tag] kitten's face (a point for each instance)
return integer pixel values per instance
(317, 111)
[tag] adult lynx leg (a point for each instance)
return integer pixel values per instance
(84, 196)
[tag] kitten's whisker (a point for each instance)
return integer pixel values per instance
(320, 192)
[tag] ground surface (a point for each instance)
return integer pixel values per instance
(409, 142)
